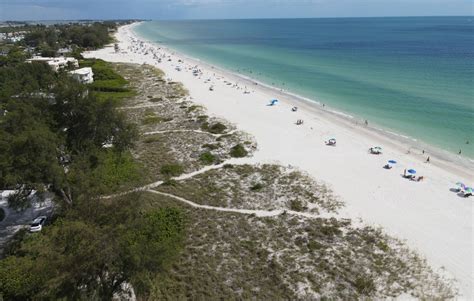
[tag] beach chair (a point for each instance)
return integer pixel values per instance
(375, 150)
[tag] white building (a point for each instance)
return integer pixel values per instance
(56, 63)
(83, 75)
(64, 51)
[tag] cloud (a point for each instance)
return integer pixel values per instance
(196, 9)
(28, 12)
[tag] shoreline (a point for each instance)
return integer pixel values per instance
(438, 155)
(444, 157)
(433, 220)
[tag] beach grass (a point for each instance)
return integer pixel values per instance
(242, 256)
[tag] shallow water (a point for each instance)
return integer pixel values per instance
(413, 76)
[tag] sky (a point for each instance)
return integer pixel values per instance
(226, 9)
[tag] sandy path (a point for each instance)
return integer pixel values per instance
(431, 218)
(234, 161)
(258, 213)
(189, 131)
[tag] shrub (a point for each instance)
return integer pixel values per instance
(256, 187)
(193, 108)
(155, 119)
(151, 139)
(227, 166)
(314, 245)
(171, 170)
(211, 146)
(364, 285)
(238, 151)
(205, 126)
(207, 158)
(296, 205)
(156, 99)
(202, 118)
(151, 120)
(223, 137)
(116, 170)
(170, 182)
(217, 128)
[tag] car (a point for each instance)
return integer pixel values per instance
(37, 224)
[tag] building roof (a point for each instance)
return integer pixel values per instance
(82, 71)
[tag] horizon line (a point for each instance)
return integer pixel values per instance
(243, 18)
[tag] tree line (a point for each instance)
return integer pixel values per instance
(58, 139)
(47, 40)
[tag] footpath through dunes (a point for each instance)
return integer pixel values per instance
(255, 229)
(428, 215)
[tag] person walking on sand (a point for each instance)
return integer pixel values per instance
(459, 152)
(428, 159)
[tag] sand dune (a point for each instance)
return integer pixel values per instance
(432, 219)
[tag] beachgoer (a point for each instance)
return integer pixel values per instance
(405, 172)
(423, 152)
(459, 151)
(366, 122)
(428, 159)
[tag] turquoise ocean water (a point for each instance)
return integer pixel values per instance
(413, 76)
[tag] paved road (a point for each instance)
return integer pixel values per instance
(15, 220)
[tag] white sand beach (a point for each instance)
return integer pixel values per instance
(430, 217)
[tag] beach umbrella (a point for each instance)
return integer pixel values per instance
(273, 102)
(411, 171)
(392, 161)
(378, 147)
(468, 190)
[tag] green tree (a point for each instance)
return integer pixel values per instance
(20, 278)
(92, 256)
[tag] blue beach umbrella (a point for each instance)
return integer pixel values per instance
(468, 190)
(392, 161)
(411, 171)
(460, 184)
